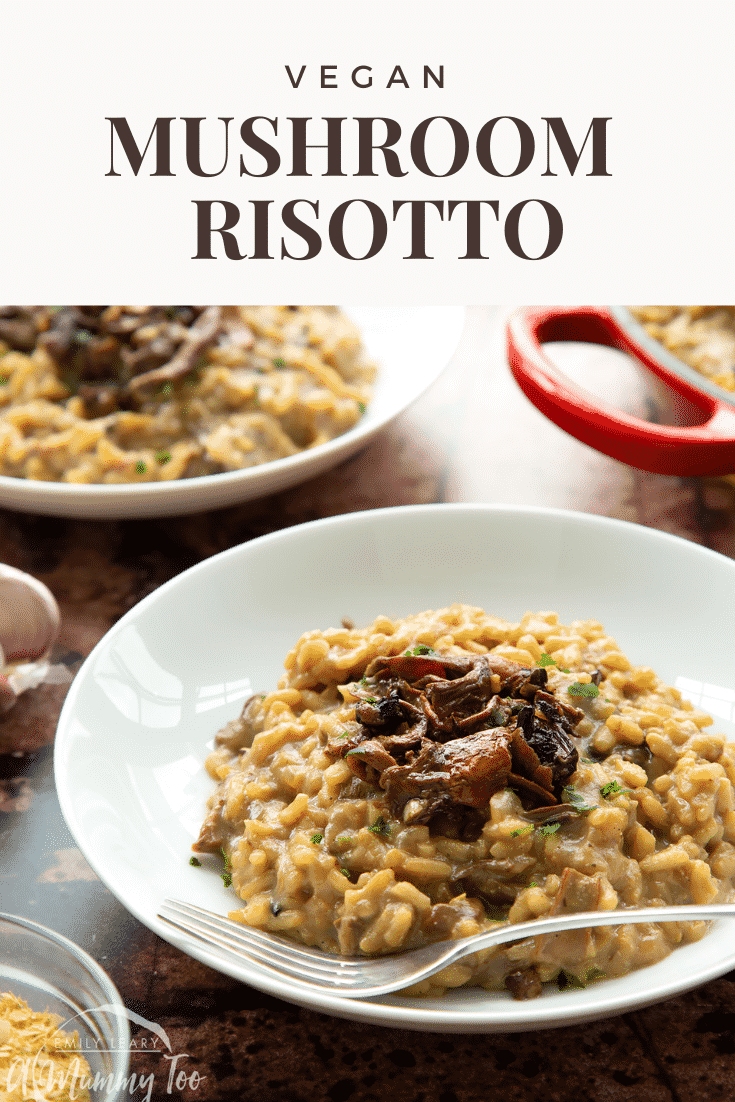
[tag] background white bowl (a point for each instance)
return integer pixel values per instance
(411, 346)
(140, 714)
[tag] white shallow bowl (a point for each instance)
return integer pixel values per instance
(411, 346)
(143, 710)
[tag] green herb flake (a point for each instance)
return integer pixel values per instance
(316, 838)
(344, 840)
(549, 828)
(195, 861)
(567, 981)
(163, 457)
(497, 914)
(370, 700)
(522, 830)
(279, 362)
(547, 660)
(4, 379)
(226, 879)
(363, 681)
(345, 734)
(141, 467)
(346, 873)
(578, 689)
(594, 974)
(613, 788)
(576, 799)
(380, 826)
(362, 407)
(226, 859)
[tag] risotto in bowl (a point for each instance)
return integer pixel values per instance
(383, 736)
(426, 778)
(127, 411)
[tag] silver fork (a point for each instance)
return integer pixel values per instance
(364, 977)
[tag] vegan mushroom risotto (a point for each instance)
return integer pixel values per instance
(113, 394)
(701, 336)
(427, 777)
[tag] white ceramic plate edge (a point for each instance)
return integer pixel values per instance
(601, 1001)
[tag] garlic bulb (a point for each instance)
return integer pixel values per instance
(29, 624)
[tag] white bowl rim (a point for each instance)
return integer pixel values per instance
(394, 1011)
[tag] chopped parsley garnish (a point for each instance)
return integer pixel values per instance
(316, 838)
(226, 859)
(344, 840)
(420, 649)
(588, 690)
(568, 981)
(380, 826)
(345, 872)
(547, 660)
(165, 390)
(194, 861)
(357, 750)
(345, 734)
(576, 799)
(361, 406)
(613, 788)
(163, 457)
(370, 700)
(544, 829)
(4, 379)
(279, 362)
(226, 879)
(140, 467)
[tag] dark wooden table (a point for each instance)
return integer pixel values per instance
(474, 437)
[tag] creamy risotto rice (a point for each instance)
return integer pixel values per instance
(425, 778)
(113, 394)
(701, 336)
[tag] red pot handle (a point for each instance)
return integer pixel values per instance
(704, 449)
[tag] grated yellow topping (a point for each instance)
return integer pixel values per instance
(38, 1060)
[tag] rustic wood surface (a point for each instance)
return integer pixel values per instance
(474, 437)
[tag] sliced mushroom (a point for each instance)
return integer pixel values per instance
(202, 333)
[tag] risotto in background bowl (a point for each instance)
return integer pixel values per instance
(593, 780)
(146, 411)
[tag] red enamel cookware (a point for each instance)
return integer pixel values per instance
(705, 447)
